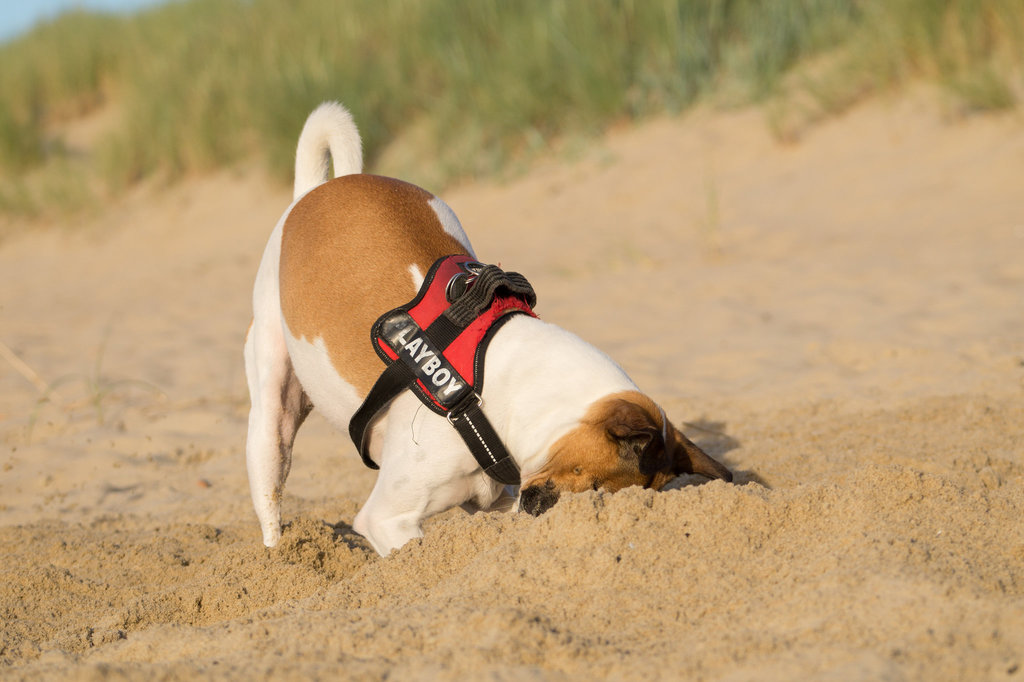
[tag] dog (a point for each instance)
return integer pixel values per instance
(350, 248)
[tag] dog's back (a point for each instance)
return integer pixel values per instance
(352, 249)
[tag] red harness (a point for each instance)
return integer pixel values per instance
(436, 345)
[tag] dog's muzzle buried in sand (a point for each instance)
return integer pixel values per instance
(370, 304)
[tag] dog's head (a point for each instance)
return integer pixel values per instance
(623, 440)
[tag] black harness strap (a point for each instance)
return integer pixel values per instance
(395, 379)
(471, 294)
(490, 453)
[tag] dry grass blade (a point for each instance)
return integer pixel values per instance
(22, 368)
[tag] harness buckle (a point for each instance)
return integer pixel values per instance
(461, 282)
(461, 407)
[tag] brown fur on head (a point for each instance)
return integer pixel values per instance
(623, 440)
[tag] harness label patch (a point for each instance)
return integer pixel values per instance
(407, 339)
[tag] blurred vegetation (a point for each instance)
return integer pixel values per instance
(201, 84)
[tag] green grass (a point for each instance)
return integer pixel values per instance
(469, 86)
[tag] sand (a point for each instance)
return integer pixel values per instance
(839, 319)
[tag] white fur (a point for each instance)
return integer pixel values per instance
(530, 410)
(325, 388)
(329, 133)
(417, 276)
(425, 467)
(451, 223)
(266, 365)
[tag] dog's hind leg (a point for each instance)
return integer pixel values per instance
(279, 407)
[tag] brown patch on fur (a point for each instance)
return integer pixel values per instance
(295, 407)
(590, 456)
(687, 458)
(346, 249)
(619, 443)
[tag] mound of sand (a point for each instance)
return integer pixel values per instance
(840, 321)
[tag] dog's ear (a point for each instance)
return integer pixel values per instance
(687, 458)
(638, 437)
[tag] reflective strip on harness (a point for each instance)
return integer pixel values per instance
(436, 345)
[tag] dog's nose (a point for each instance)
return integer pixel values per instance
(535, 500)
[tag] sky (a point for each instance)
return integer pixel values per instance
(17, 16)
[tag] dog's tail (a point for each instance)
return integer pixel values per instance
(329, 134)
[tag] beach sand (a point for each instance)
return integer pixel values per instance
(839, 319)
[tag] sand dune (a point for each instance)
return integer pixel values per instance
(840, 320)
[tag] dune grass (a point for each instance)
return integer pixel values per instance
(200, 84)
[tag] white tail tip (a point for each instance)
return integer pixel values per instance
(329, 134)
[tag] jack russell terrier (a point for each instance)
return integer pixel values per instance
(363, 269)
